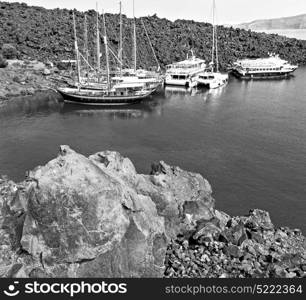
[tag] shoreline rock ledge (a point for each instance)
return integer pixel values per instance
(97, 217)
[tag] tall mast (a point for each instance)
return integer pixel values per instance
(120, 41)
(217, 56)
(106, 52)
(86, 43)
(213, 43)
(135, 41)
(98, 39)
(76, 51)
(216, 39)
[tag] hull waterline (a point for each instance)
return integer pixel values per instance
(263, 76)
(103, 100)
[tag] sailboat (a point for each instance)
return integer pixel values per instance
(212, 78)
(150, 78)
(108, 92)
(92, 78)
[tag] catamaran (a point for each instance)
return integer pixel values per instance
(213, 78)
(184, 73)
(109, 91)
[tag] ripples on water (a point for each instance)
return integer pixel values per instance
(247, 139)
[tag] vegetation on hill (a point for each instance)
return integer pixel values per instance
(43, 34)
(3, 62)
(9, 51)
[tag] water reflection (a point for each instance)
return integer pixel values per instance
(44, 102)
(176, 91)
(48, 103)
(135, 111)
(213, 94)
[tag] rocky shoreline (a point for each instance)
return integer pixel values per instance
(246, 247)
(97, 217)
(28, 77)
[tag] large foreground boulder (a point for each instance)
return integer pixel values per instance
(96, 217)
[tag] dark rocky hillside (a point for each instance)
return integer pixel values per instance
(48, 34)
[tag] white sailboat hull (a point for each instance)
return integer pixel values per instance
(212, 80)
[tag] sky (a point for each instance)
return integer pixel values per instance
(228, 11)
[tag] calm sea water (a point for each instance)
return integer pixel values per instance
(291, 33)
(248, 139)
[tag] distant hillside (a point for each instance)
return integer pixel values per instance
(48, 34)
(296, 22)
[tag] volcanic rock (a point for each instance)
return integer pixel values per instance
(96, 217)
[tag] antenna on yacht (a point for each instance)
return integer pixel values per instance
(76, 51)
